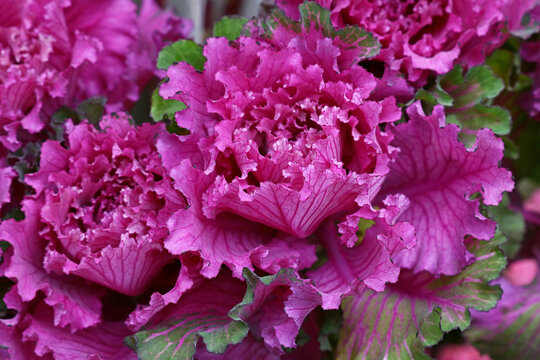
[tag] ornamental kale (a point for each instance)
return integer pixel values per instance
(328, 180)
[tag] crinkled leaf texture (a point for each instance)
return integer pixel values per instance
(439, 175)
(62, 52)
(276, 305)
(422, 37)
(103, 342)
(415, 312)
(74, 302)
(228, 239)
(285, 123)
(105, 200)
(282, 136)
(511, 330)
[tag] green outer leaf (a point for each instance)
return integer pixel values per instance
(177, 340)
(480, 116)
(217, 340)
(229, 27)
(92, 109)
(162, 108)
(173, 128)
(479, 84)
(467, 100)
(511, 150)
(331, 324)
(506, 64)
(399, 322)
(183, 50)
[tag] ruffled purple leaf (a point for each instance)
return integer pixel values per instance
(265, 165)
(438, 174)
(74, 302)
(275, 306)
(366, 257)
(103, 342)
(116, 242)
(227, 239)
(327, 192)
(189, 276)
(60, 53)
(7, 174)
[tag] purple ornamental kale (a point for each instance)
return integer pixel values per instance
(422, 37)
(95, 227)
(57, 52)
(284, 134)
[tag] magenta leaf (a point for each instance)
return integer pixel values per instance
(276, 305)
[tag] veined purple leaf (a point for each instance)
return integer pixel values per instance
(439, 175)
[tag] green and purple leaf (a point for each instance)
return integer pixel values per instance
(315, 18)
(467, 99)
(178, 339)
(415, 312)
(201, 313)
